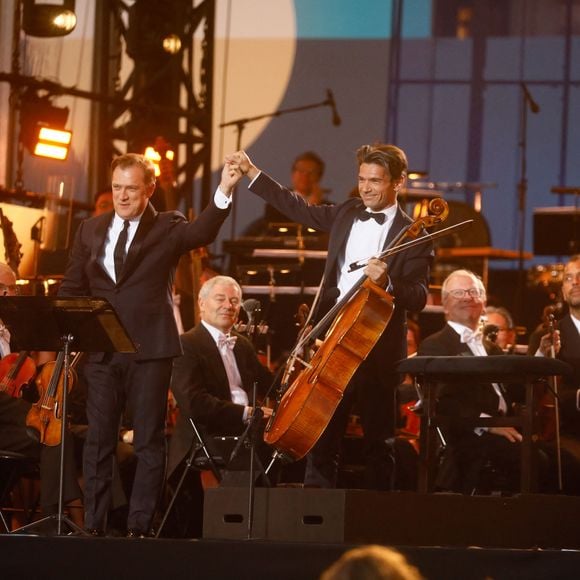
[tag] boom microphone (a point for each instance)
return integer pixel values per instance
(336, 120)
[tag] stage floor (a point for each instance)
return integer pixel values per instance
(302, 531)
(31, 558)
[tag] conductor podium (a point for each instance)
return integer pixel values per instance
(63, 324)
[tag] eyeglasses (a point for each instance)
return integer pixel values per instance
(462, 293)
(569, 278)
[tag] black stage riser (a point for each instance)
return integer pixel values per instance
(400, 518)
(30, 558)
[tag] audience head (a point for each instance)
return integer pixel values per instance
(220, 299)
(463, 297)
(8, 285)
(307, 171)
(372, 563)
(571, 284)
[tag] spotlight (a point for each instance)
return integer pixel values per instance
(48, 19)
(43, 130)
(155, 157)
(52, 143)
(172, 44)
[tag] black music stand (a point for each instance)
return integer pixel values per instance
(47, 323)
(465, 370)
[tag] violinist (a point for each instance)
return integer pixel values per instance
(359, 228)
(504, 331)
(565, 340)
(15, 437)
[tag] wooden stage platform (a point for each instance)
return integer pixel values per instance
(299, 532)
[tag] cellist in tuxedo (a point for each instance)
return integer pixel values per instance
(358, 228)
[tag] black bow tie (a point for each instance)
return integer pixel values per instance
(364, 215)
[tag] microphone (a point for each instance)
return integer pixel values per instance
(534, 107)
(490, 332)
(336, 120)
(252, 308)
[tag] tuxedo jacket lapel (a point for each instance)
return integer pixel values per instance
(214, 360)
(98, 243)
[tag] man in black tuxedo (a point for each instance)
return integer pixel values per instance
(566, 348)
(207, 388)
(129, 256)
(463, 297)
(213, 384)
(360, 228)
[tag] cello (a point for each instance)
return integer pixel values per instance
(357, 323)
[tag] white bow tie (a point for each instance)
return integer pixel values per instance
(469, 335)
(227, 342)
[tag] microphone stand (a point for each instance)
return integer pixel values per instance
(522, 192)
(248, 439)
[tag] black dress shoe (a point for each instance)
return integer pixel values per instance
(134, 533)
(95, 532)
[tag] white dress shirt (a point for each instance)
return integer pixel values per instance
(239, 396)
(475, 345)
(366, 239)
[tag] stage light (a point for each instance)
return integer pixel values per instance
(48, 19)
(172, 44)
(155, 157)
(43, 130)
(52, 143)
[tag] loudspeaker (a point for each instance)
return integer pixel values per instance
(556, 231)
(395, 518)
(225, 513)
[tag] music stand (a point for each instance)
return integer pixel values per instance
(80, 324)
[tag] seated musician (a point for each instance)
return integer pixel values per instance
(15, 437)
(463, 297)
(213, 380)
(500, 328)
(566, 348)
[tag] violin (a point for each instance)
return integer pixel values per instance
(356, 324)
(16, 371)
(44, 420)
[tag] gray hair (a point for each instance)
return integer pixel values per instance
(208, 286)
(476, 280)
(502, 312)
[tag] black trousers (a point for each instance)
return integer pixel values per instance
(122, 380)
(372, 391)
